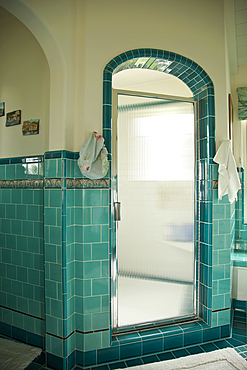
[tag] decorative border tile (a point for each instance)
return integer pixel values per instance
(53, 183)
(20, 184)
(87, 183)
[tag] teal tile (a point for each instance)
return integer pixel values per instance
(225, 286)
(17, 288)
(87, 288)
(10, 171)
(27, 196)
(105, 197)
(92, 341)
(16, 196)
(91, 304)
(16, 227)
(33, 213)
(78, 233)
(50, 216)
(18, 320)
(38, 261)
(50, 253)
(6, 226)
(2, 209)
(91, 269)
(56, 308)
(91, 197)
(100, 286)
(21, 212)
(55, 235)
(2, 172)
(79, 216)
(55, 197)
(28, 260)
(51, 289)
(218, 302)
(22, 273)
(28, 323)
(6, 195)
(78, 197)
(100, 215)
(78, 270)
(100, 321)
(224, 317)
(22, 243)
(10, 211)
(224, 256)
(52, 325)
(87, 216)
(100, 251)
(38, 229)
(218, 272)
(105, 233)
(20, 172)
(105, 268)
(91, 234)
(38, 197)
(55, 272)
(224, 226)
(27, 228)
(28, 291)
(12, 301)
(6, 255)
(70, 198)
(17, 258)
(32, 244)
(34, 308)
(22, 304)
(11, 241)
(33, 277)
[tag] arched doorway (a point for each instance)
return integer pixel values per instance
(203, 92)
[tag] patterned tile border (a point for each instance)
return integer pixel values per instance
(19, 184)
(55, 183)
(87, 183)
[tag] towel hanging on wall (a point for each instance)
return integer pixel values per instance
(93, 161)
(228, 182)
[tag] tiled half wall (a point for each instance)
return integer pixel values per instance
(55, 224)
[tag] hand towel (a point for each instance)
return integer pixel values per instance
(93, 161)
(228, 182)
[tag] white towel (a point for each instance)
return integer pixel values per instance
(93, 161)
(228, 182)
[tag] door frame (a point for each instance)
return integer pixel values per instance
(114, 198)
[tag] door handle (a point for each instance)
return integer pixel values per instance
(117, 208)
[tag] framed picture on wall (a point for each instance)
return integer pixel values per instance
(230, 110)
(30, 127)
(2, 109)
(13, 118)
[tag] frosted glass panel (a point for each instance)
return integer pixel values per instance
(155, 237)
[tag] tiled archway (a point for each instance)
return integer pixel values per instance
(203, 92)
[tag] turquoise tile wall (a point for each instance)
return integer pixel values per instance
(77, 254)
(22, 249)
(223, 244)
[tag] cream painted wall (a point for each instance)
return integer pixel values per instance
(238, 80)
(87, 34)
(24, 74)
(192, 28)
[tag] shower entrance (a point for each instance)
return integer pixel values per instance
(153, 171)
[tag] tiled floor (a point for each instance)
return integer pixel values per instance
(240, 347)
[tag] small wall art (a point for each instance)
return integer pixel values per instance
(2, 109)
(13, 118)
(30, 127)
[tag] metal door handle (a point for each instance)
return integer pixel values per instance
(117, 207)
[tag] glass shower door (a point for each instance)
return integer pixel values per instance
(154, 270)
